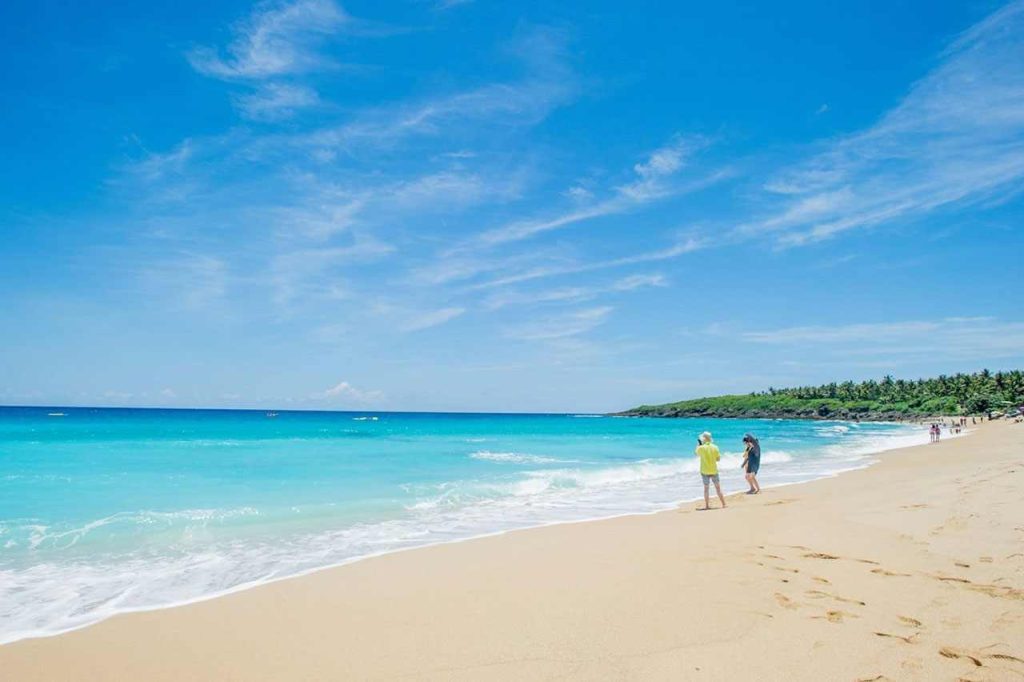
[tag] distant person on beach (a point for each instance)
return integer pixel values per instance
(709, 456)
(751, 463)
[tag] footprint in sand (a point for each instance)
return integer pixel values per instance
(913, 622)
(819, 555)
(821, 580)
(914, 506)
(834, 616)
(785, 601)
(998, 591)
(818, 594)
(950, 652)
(951, 579)
(885, 572)
(908, 639)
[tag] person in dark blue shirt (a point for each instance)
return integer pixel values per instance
(752, 463)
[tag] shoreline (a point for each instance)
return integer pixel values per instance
(868, 460)
(905, 538)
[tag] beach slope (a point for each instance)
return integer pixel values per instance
(911, 569)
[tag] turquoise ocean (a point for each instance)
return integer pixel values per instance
(104, 511)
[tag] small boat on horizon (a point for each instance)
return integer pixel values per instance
(271, 414)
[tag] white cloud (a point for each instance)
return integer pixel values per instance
(842, 333)
(432, 319)
(276, 101)
(662, 163)
(319, 216)
(954, 140)
(344, 392)
(981, 338)
(278, 38)
(562, 326)
(574, 294)
(681, 247)
(450, 189)
(649, 184)
(548, 83)
(579, 193)
(157, 166)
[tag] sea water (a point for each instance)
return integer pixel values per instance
(111, 510)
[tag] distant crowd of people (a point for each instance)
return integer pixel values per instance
(955, 426)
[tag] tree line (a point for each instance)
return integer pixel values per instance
(970, 393)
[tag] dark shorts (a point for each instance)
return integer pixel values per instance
(753, 465)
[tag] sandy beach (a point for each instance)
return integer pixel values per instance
(910, 569)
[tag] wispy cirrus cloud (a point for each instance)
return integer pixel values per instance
(954, 337)
(681, 247)
(432, 318)
(547, 82)
(843, 333)
(574, 294)
(276, 101)
(954, 140)
(278, 38)
(651, 181)
(654, 177)
(561, 326)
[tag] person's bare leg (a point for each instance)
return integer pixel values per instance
(718, 489)
(750, 482)
(707, 502)
(753, 481)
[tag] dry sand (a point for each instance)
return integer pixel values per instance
(911, 569)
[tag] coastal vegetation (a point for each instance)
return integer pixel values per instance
(960, 394)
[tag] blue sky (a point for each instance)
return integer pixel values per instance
(470, 205)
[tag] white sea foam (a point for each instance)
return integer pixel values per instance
(41, 536)
(514, 457)
(833, 429)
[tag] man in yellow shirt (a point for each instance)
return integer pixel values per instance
(709, 456)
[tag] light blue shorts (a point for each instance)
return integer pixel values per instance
(707, 478)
